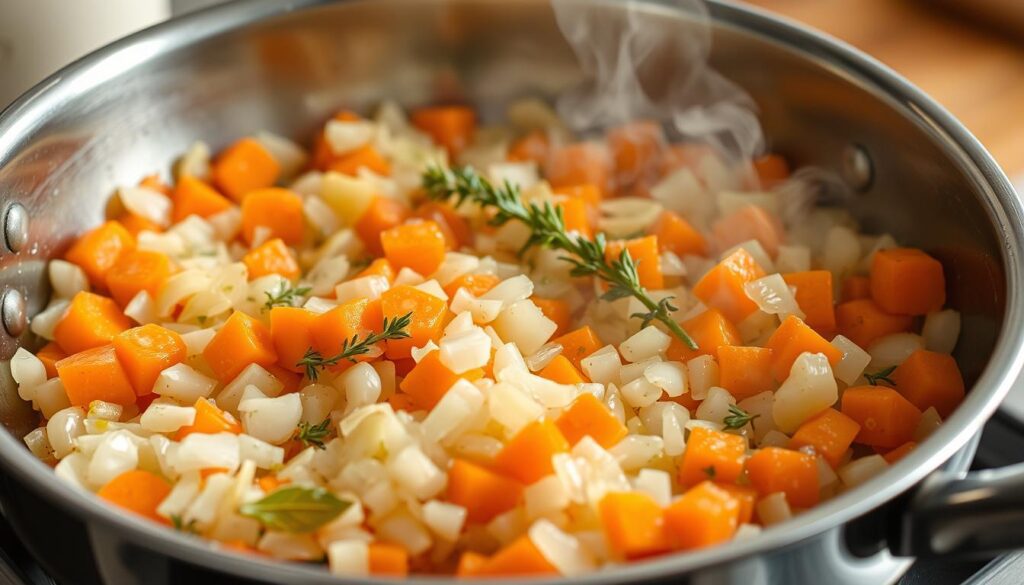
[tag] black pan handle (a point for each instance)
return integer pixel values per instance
(961, 514)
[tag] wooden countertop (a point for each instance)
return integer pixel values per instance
(977, 73)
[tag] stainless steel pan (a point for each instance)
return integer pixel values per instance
(130, 108)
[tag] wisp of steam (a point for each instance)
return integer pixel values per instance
(693, 100)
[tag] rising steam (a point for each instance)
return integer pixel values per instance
(639, 68)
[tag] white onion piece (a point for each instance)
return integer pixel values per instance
(455, 265)
(655, 483)
(344, 136)
(511, 290)
(702, 374)
(809, 389)
(318, 400)
(636, 451)
(773, 509)
(415, 473)
(444, 519)
(561, 549)
(773, 296)
(195, 162)
(50, 397)
(184, 384)
(28, 371)
(793, 258)
(930, 420)
(602, 366)
(142, 309)
(432, 288)
(465, 351)
(408, 276)
(63, 428)
(683, 193)
(640, 393)
(198, 451)
(524, 324)
(512, 408)
(361, 384)
(349, 558)
(482, 310)
(669, 376)
(167, 418)
(271, 419)
(715, 407)
(289, 156)
(646, 343)
(67, 279)
(252, 375)
(853, 362)
(756, 251)
(116, 454)
(147, 203)
(44, 322)
(893, 350)
(760, 405)
(861, 470)
(325, 275)
(39, 444)
(841, 251)
(365, 287)
(941, 330)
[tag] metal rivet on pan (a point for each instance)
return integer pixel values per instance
(857, 167)
(12, 311)
(16, 227)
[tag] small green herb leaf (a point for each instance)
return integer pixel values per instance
(296, 509)
(179, 524)
(738, 418)
(285, 296)
(881, 376)
(314, 435)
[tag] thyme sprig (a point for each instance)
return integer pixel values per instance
(547, 229)
(738, 418)
(880, 376)
(314, 435)
(285, 296)
(313, 361)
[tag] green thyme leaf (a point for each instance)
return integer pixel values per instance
(313, 361)
(285, 296)
(314, 435)
(881, 376)
(738, 418)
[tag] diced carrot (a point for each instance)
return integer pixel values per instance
(209, 420)
(722, 287)
(456, 230)
(97, 251)
(135, 224)
(271, 257)
(862, 321)
(483, 493)
(830, 433)
(419, 246)
(634, 524)
(886, 418)
(588, 416)
(243, 167)
(576, 216)
(644, 252)
(95, 374)
(704, 516)
(929, 379)
(794, 473)
(428, 318)
(379, 267)
(855, 287)
(750, 222)
(90, 321)
(676, 235)
(194, 197)
(430, 380)
(475, 284)
(532, 146)
(270, 482)
(136, 271)
(331, 330)
(388, 559)
(146, 351)
(557, 310)
(241, 341)
(635, 148)
(578, 344)
(814, 296)
(561, 370)
(206, 472)
(906, 281)
(450, 126)
(50, 354)
(712, 455)
(527, 455)
(402, 401)
(470, 564)
(710, 330)
(771, 169)
(290, 330)
(745, 371)
(239, 546)
(793, 338)
(582, 163)
(278, 210)
(899, 452)
(137, 491)
(364, 157)
(519, 558)
(588, 192)
(745, 495)
(383, 214)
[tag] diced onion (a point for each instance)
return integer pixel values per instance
(941, 330)
(860, 470)
(773, 509)
(669, 376)
(63, 428)
(809, 389)
(116, 454)
(271, 419)
(198, 451)
(365, 287)
(773, 296)
(444, 519)
(415, 473)
(715, 407)
(793, 259)
(603, 365)
(349, 558)
(45, 321)
(893, 350)
(167, 418)
(646, 343)
(361, 384)
(656, 483)
(853, 362)
(454, 409)
(344, 136)
(67, 279)
(184, 384)
(560, 549)
(702, 374)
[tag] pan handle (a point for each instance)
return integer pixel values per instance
(961, 513)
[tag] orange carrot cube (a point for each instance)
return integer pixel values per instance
(241, 341)
(418, 246)
(291, 332)
(676, 235)
(588, 416)
(814, 295)
(271, 257)
(830, 433)
(527, 456)
(782, 470)
(634, 524)
(929, 379)
(722, 287)
(383, 214)
(704, 516)
(95, 374)
(712, 455)
(428, 318)
(745, 371)
(136, 271)
(449, 126)
(886, 418)
(97, 251)
(793, 338)
(710, 330)
(644, 252)
(194, 197)
(430, 380)
(244, 167)
(90, 321)
(483, 493)
(146, 351)
(906, 281)
(278, 210)
(862, 321)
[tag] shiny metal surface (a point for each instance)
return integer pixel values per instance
(12, 313)
(856, 167)
(15, 227)
(132, 107)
